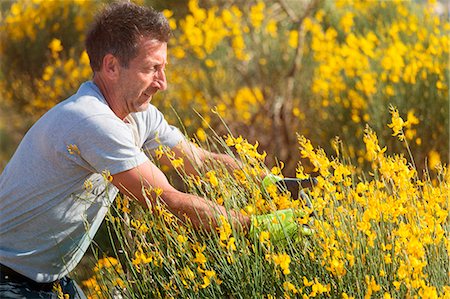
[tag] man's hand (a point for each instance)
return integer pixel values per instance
(282, 226)
(194, 157)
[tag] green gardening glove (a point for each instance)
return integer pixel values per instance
(281, 225)
(270, 179)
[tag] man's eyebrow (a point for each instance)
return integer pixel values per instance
(154, 62)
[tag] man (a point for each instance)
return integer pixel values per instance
(53, 194)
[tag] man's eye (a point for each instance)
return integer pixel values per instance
(154, 69)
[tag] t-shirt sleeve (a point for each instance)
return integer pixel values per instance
(159, 131)
(106, 143)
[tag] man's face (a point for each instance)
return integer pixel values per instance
(144, 76)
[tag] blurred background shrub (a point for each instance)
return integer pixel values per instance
(267, 69)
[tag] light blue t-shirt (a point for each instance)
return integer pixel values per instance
(53, 196)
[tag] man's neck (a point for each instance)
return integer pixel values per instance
(110, 96)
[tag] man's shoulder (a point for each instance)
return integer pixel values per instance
(87, 99)
(82, 111)
(85, 104)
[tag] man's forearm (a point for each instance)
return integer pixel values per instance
(200, 212)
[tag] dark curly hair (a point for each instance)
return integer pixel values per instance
(117, 29)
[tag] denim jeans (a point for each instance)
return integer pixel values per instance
(14, 289)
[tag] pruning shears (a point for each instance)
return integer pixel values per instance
(296, 186)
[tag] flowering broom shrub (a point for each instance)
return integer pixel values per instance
(42, 62)
(271, 69)
(381, 234)
(320, 68)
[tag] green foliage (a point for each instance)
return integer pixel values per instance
(269, 69)
(381, 237)
(272, 70)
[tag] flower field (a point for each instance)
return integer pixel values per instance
(381, 234)
(354, 93)
(270, 69)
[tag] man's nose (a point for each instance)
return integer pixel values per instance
(159, 81)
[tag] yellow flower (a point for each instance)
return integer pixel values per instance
(159, 152)
(337, 267)
(257, 14)
(271, 28)
(141, 258)
(178, 52)
(73, 149)
(55, 46)
(224, 229)
(389, 90)
(264, 237)
(283, 260)
(182, 239)
(347, 22)
(107, 175)
(318, 288)
(373, 150)
(372, 284)
(209, 274)
(106, 262)
(397, 124)
(201, 135)
(434, 159)
(231, 244)
(350, 258)
(289, 287)
(200, 258)
(293, 42)
(411, 119)
(48, 73)
(206, 282)
(126, 205)
(402, 271)
(141, 227)
(246, 100)
(187, 276)
(84, 58)
(118, 282)
(345, 296)
(177, 163)
(209, 63)
(88, 185)
(306, 282)
(168, 14)
(212, 178)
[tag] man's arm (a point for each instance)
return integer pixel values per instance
(201, 212)
(194, 157)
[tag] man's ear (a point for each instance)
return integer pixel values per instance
(110, 66)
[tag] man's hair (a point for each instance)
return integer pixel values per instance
(118, 28)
